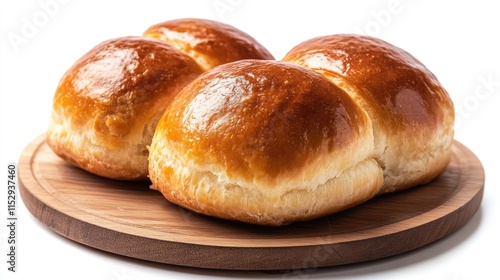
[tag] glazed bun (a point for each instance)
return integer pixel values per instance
(209, 42)
(264, 142)
(411, 113)
(107, 105)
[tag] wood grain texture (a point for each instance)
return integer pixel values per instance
(127, 218)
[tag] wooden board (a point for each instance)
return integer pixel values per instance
(131, 220)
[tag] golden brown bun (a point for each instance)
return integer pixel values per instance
(208, 42)
(107, 104)
(411, 112)
(264, 142)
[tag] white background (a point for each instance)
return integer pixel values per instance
(457, 41)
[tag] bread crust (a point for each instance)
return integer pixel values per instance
(209, 42)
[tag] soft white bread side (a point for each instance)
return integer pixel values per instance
(264, 142)
(411, 112)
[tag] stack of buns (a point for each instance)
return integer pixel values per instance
(108, 103)
(223, 129)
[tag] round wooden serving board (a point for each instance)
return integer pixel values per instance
(129, 219)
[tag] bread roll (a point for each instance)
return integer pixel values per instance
(107, 104)
(411, 113)
(264, 142)
(208, 42)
